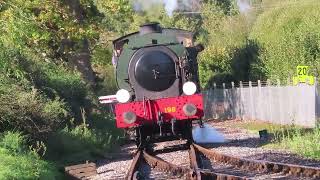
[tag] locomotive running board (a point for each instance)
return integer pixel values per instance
(81, 171)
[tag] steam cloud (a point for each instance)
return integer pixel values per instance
(169, 5)
(243, 5)
(186, 5)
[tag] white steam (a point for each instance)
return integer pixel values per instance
(244, 5)
(207, 134)
(169, 5)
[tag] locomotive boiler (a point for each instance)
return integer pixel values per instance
(157, 76)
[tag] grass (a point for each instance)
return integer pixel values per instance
(69, 146)
(301, 141)
(20, 162)
(89, 141)
(305, 142)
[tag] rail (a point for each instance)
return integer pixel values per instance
(196, 171)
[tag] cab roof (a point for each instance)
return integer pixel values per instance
(180, 33)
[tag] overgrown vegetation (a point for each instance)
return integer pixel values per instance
(287, 36)
(46, 92)
(20, 161)
(88, 141)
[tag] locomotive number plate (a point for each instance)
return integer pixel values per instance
(170, 109)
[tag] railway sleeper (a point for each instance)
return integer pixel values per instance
(81, 171)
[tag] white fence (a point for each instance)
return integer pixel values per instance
(299, 105)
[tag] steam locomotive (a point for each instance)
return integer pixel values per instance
(157, 76)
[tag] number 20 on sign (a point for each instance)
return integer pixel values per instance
(302, 71)
(302, 76)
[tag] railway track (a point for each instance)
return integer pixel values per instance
(197, 171)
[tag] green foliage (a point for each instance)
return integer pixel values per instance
(10, 68)
(18, 162)
(298, 140)
(288, 36)
(38, 89)
(28, 110)
(229, 55)
(84, 142)
(118, 14)
(14, 142)
(67, 84)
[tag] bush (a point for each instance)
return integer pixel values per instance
(228, 55)
(14, 142)
(29, 110)
(56, 81)
(84, 142)
(288, 36)
(19, 162)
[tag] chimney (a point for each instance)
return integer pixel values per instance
(153, 27)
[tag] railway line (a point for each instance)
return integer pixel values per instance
(181, 160)
(247, 169)
(203, 164)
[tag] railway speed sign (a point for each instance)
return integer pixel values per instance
(302, 76)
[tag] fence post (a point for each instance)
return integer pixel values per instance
(289, 91)
(269, 100)
(260, 112)
(251, 100)
(225, 99)
(214, 104)
(232, 102)
(280, 114)
(316, 84)
(241, 108)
